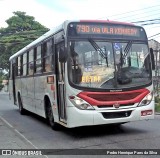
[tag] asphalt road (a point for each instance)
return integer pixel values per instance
(135, 135)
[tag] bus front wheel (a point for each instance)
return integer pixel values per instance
(50, 117)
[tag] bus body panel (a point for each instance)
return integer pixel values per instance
(39, 91)
(27, 93)
(42, 90)
(78, 117)
(33, 93)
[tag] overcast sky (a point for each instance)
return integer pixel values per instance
(51, 13)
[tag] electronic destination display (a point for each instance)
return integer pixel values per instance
(105, 30)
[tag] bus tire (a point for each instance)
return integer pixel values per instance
(50, 118)
(20, 106)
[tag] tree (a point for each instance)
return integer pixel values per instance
(22, 29)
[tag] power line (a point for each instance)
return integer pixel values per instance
(154, 35)
(150, 23)
(149, 10)
(152, 27)
(144, 17)
(146, 20)
(139, 17)
(131, 11)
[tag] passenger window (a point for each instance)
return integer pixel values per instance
(25, 64)
(38, 60)
(19, 66)
(48, 57)
(30, 63)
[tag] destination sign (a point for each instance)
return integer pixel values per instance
(104, 29)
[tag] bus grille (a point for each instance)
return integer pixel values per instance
(120, 114)
(111, 106)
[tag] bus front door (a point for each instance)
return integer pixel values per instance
(60, 83)
(13, 83)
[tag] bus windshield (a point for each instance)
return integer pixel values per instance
(109, 64)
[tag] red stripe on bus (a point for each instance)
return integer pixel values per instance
(110, 98)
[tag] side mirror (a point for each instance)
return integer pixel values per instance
(62, 55)
(152, 59)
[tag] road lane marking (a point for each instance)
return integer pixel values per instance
(17, 132)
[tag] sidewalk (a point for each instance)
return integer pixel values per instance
(3, 92)
(11, 139)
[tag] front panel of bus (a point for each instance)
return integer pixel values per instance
(109, 74)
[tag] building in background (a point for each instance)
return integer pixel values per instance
(155, 45)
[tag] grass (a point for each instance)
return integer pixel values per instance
(157, 107)
(157, 104)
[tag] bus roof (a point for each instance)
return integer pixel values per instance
(59, 28)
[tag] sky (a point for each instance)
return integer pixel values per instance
(52, 13)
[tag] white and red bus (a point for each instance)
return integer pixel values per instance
(85, 73)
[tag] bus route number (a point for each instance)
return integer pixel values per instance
(83, 28)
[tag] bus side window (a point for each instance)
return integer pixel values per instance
(19, 66)
(30, 63)
(38, 59)
(48, 57)
(24, 64)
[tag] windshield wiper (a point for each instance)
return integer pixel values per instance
(127, 48)
(98, 49)
(121, 76)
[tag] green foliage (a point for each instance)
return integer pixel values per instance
(157, 104)
(1, 86)
(157, 107)
(22, 30)
(157, 99)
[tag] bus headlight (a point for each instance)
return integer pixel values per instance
(146, 100)
(80, 103)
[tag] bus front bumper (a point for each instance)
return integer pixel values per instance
(76, 117)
